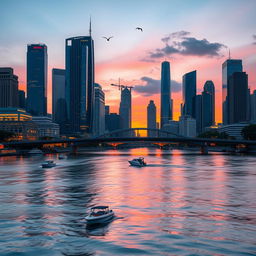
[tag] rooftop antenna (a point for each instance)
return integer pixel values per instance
(90, 27)
(229, 56)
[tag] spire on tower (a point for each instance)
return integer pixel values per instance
(90, 27)
(229, 56)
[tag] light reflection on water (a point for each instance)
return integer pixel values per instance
(180, 204)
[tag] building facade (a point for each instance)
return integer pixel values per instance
(189, 94)
(166, 111)
(22, 99)
(9, 96)
(187, 126)
(125, 109)
(210, 89)
(198, 113)
(99, 111)
(80, 83)
(228, 68)
(37, 79)
(238, 97)
(151, 118)
(253, 107)
(113, 122)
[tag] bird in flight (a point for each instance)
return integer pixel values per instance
(138, 28)
(107, 38)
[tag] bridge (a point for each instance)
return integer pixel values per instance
(163, 138)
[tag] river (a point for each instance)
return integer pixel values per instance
(181, 203)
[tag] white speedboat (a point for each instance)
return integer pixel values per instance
(138, 162)
(61, 157)
(48, 164)
(99, 215)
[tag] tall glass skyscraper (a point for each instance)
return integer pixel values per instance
(228, 68)
(37, 79)
(125, 110)
(208, 104)
(166, 111)
(151, 118)
(80, 83)
(189, 94)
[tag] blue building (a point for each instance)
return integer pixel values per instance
(198, 113)
(228, 68)
(151, 118)
(37, 79)
(189, 94)
(80, 83)
(166, 111)
(125, 109)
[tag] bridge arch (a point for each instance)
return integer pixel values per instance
(131, 132)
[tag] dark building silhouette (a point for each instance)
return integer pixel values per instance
(238, 97)
(80, 83)
(113, 122)
(59, 106)
(228, 68)
(37, 79)
(8, 88)
(151, 118)
(210, 88)
(253, 107)
(189, 94)
(22, 99)
(107, 109)
(198, 113)
(125, 109)
(166, 110)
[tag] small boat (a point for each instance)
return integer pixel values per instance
(35, 151)
(61, 157)
(48, 164)
(99, 215)
(138, 162)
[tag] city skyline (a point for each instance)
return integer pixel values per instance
(136, 57)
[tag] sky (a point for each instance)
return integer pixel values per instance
(191, 35)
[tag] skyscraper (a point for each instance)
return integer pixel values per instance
(228, 68)
(80, 83)
(189, 93)
(238, 97)
(125, 109)
(99, 111)
(198, 113)
(37, 79)
(151, 118)
(22, 99)
(210, 88)
(166, 111)
(253, 107)
(59, 106)
(8, 88)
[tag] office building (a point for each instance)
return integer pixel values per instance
(22, 99)
(8, 88)
(233, 130)
(166, 111)
(151, 118)
(37, 79)
(238, 97)
(253, 107)
(187, 126)
(210, 89)
(99, 111)
(172, 127)
(228, 68)
(125, 109)
(113, 122)
(189, 94)
(198, 113)
(80, 83)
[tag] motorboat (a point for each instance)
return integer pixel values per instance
(61, 157)
(138, 162)
(99, 215)
(35, 151)
(48, 164)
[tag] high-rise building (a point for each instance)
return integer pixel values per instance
(99, 111)
(151, 118)
(80, 83)
(187, 126)
(22, 99)
(189, 93)
(228, 68)
(59, 106)
(253, 107)
(107, 110)
(113, 122)
(238, 97)
(37, 79)
(125, 109)
(210, 88)
(198, 111)
(166, 111)
(8, 88)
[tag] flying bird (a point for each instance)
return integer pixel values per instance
(138, 28)
(107, 38)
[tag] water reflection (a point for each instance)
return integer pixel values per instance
(180, 203)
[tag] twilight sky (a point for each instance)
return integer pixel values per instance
(192, 35)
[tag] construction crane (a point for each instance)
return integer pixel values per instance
(121, 86)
